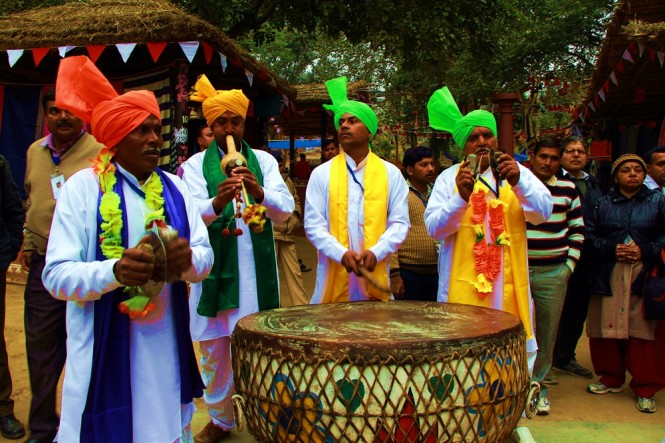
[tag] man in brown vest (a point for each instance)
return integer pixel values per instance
(50, 161)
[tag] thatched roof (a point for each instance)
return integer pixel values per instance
(639, 95)
(310, 118)
(108, 22)
(316, 93)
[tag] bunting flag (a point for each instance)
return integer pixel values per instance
(640, 46)
(156, 49)
(224, 61)
(613, 77)
(189, 49)
(63, 50)
(250, 77)
(661, 58)
(619, 66)
(652, 54)
(601, 94)
(14, 55)
(125, 50)
(38, 54)
(207, 51)
(627, 56)
(94, 51)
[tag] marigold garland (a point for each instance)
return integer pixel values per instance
(487, 254)
(111, 228)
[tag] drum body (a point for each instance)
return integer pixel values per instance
(381, 372)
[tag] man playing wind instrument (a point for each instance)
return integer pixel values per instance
(128, 377)
(233, 289)
(356, 210)
(480, 216)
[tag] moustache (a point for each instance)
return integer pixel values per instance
(63, 123)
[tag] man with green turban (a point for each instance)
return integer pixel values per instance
(480, 215)
(356, 210)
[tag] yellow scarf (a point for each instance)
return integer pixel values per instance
(375, 182)
(515, 273)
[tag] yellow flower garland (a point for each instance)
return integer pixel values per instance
(109, 206)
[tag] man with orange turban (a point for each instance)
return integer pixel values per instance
(356, 209)
(50, 161)
(128, 377)
(479, 214)
(233, 289)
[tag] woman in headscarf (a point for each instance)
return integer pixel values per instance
(626, 234)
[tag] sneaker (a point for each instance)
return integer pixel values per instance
(522, 434)
(550, 378)
(211, 434)
(574, 368)
(599, 388)
(543, 406)
(647, 405)
(11, 428)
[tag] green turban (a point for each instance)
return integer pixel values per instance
(444, 115)
(341, 105)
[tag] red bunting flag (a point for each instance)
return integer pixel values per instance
(94, 51)
(156, 49)
(207, 51)
(38, 54)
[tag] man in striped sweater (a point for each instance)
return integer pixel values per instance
(414, 273)
(554, 249)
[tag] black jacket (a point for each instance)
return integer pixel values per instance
(614, 218)
(12, 217)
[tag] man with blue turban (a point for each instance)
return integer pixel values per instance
(356, 210)
(479, 214)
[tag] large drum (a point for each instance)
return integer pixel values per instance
(380, 372)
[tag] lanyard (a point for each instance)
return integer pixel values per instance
(354, 177)
(132, 185)
(495, 192)
(419, 196)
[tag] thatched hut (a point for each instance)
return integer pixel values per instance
(625, 102)
(148, 44)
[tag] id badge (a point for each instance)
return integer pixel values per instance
(57, 182)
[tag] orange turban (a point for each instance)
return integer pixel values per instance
(216, 103)
(82, 89)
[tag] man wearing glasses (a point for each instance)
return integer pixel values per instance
(573, 160)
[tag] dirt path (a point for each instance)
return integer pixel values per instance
(576, 416)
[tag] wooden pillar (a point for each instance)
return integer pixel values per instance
(506, 102)
(178, 146)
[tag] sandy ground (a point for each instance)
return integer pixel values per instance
(576, 416)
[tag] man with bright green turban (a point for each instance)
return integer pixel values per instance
(356, 210)
(233, 289)
(480, 217)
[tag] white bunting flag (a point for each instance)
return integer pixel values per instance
(14, 55)
(189, 48)
(63, 50)
(250, 77)
(223, 58)
(125, 50)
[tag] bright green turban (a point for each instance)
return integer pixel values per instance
(444, 115)
(341, 105)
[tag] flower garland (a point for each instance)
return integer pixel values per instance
(110, 237)
(487, 254)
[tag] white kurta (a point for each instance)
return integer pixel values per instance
(73, 274)
(446, 208)
(279, 203)
(317, 222)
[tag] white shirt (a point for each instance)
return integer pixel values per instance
(317, 222)
(446, 209)
(72, 273)
(279, 203)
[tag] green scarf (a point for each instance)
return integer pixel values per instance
(220, 289)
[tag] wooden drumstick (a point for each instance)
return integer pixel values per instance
(372, 281)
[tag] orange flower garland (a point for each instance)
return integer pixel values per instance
(487, 254)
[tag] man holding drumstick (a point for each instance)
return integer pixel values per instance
(356, 210)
